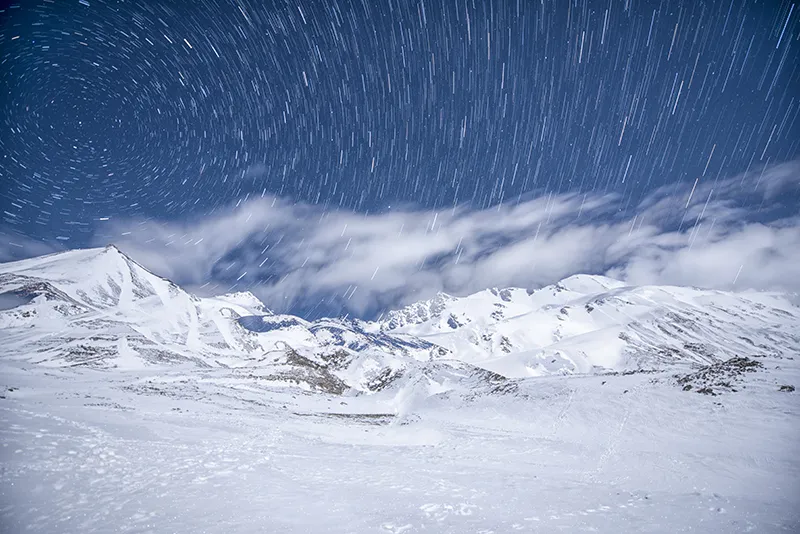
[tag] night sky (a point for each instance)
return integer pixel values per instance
(177, 109)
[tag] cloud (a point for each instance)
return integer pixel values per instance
(256, 170)
(188, 250)
(741, 232)
(751, 256)
(14, 246)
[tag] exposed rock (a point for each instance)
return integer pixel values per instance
(336, 360)
(384, 379)
(309, 372)
(718, 377)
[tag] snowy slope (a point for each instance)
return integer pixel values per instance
(216, 450)
(592, 323)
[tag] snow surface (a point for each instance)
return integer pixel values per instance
(128, 405)
(210, 451)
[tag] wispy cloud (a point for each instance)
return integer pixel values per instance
(741, 232)
(14, 246)
(256, 170)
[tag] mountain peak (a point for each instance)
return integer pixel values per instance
(64, 258)
(96, 277)
(247, 300)
(589, 283)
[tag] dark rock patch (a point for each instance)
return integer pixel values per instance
(719, 377)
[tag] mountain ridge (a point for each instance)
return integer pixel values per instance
(100, 308)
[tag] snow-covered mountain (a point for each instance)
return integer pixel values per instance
(99, 308)
(94, 307)
(593, 323)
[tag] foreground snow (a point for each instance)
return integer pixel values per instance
(190, 450)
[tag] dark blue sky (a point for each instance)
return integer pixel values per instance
(172, 110)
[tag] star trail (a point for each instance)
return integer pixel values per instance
(177, 109)
(161, 108)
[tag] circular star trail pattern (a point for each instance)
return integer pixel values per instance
(172, 109)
